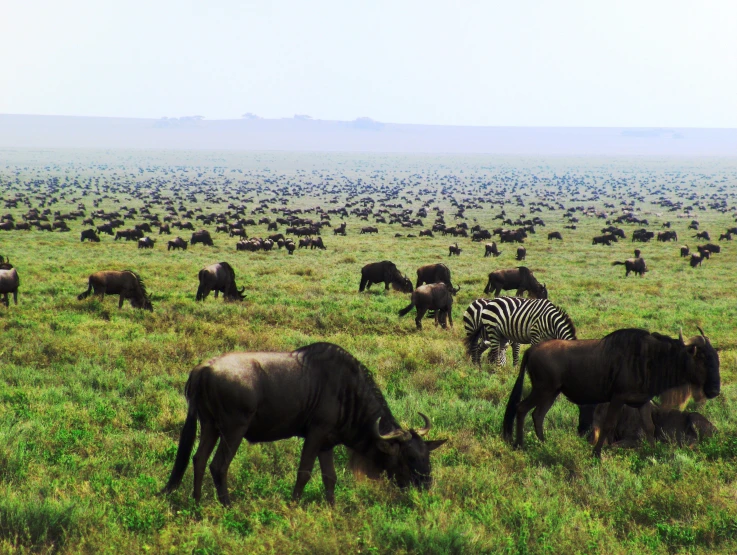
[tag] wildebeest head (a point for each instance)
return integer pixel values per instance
(405, 455)
(235, 294)
(539, 291)
(706, 367)
(402, 283)
(142, 301)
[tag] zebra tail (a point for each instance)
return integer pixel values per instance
(471, 341)
(514, 398)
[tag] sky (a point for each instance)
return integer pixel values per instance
(588, 63)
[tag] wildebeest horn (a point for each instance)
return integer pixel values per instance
(394, 434)
(701, 332)
(426, 428)
(680, 335)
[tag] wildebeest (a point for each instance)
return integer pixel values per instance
(555, 235)
(9, 283)
(165, 229)
(90, 235)
(520, 278)
(319, 392)
(129, 234)
(636, 265)
(385, 271)
(490, 249)
(665, 236)
(521, 253)
(642, 235)
(177, 243)
(670, 425)
(454, 249)
(626, 367)
(433, 273)
(127, 284)
(703, 235)
(146, 243)
(435, 296)
(725, 236)
(684, 251)
(220, 278)
(602, 240)
(201, 236)
(369, 229)
(426, 233)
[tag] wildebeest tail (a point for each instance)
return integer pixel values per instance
(617, 263)
(514, 399)
(408, 308)
(85, 294)
(188, 435)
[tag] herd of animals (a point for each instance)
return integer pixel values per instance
(322, 393)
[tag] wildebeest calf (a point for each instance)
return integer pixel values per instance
(636, 265)
(437, 297)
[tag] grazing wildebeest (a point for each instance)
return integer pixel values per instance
(90, 235)
(490, 249)
(177, 243)
(696, 260)
(684, 251)
(201, 236)
(521, 253)
(106, 228)
(385, 271)
(626, 367)
(725, 236)
(146, 243)
(319, 392)
(220, 278)
(129, 234)
(435, 296)
(710, 247)
(9, 283)
(426, 233)
(555, 235)
(602, 240)
(642, 235)
(433, 273)
(317, 244)
(703, 235)
(664, 236)
(127, 284)
(165, 229)
(369, 229)
(272, 226)
(636, 265)
(519, 278)
(454, 249)
(670, 425)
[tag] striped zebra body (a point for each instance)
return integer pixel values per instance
(513, 320)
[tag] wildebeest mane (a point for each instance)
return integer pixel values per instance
(228, 268)
(141, 284)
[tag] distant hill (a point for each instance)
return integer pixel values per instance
(361, 135)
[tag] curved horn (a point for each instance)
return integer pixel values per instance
(394, 434)
(680, 335)
(426, 428)
(701, 332)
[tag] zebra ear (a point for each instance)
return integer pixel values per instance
(487, 342)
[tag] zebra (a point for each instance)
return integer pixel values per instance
(492, 323)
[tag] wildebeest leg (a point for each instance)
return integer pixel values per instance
(230, 440)
(329, 478)
(515, 353)
(362, 285)
(497, 291)
(449, 312)
(122, 299)
(525, 406)
(420, 316)
(585, 419)
(542, 408)
(310, 451)
(646, 415)
(216, 293)
(615, 407)
(208, 439)
(15, 296)
(6, 300)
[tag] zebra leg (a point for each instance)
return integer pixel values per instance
(515, 353)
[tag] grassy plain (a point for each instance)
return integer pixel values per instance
(91, 401)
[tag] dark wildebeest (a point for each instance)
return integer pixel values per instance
(684, 251)
(201, 236)
(90, 235)
(626, 367)
(521, 253)
(318, 244)
(555, 235)
(491, 250)
(670, 425)
(636, 265)
(165, 229)
(426, 233)
(664, 236)
(290, 246)
(106, 228)
(177, 243)
(340, 230)
(697, 259)
(127, 284)
(602, 240)
(433, 273)
(519, 278)
(129, 234)
(385, 271)
(220, 278)
(637, 253)
(703, 235)
(9, 283)
(146, 243)
(437, 297)
(710, 247)
(369, 229)
(725, 236)
(319, 392)
(454, 249)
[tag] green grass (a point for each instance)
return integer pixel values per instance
(91, 401)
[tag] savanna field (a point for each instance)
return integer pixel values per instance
(91, 403)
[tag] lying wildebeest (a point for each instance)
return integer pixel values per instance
(201, 236)
(670, 425)
(435, 296)
(319, 392)
(521, 253)
(127, 284)
(90, 235)
(555, 235)
(146, 243)
(9, 283)
(177, 243)
(433, 273)
(385, 271)
(220, 278)
(454, 249)
(684, 251)
(636, 265)
(519, 278)
(490, 249)
(626, 367)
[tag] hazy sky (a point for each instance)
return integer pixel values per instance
(510, 63)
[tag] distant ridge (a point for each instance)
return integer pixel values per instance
(361, 135)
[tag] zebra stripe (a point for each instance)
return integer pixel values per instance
(494, 323)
